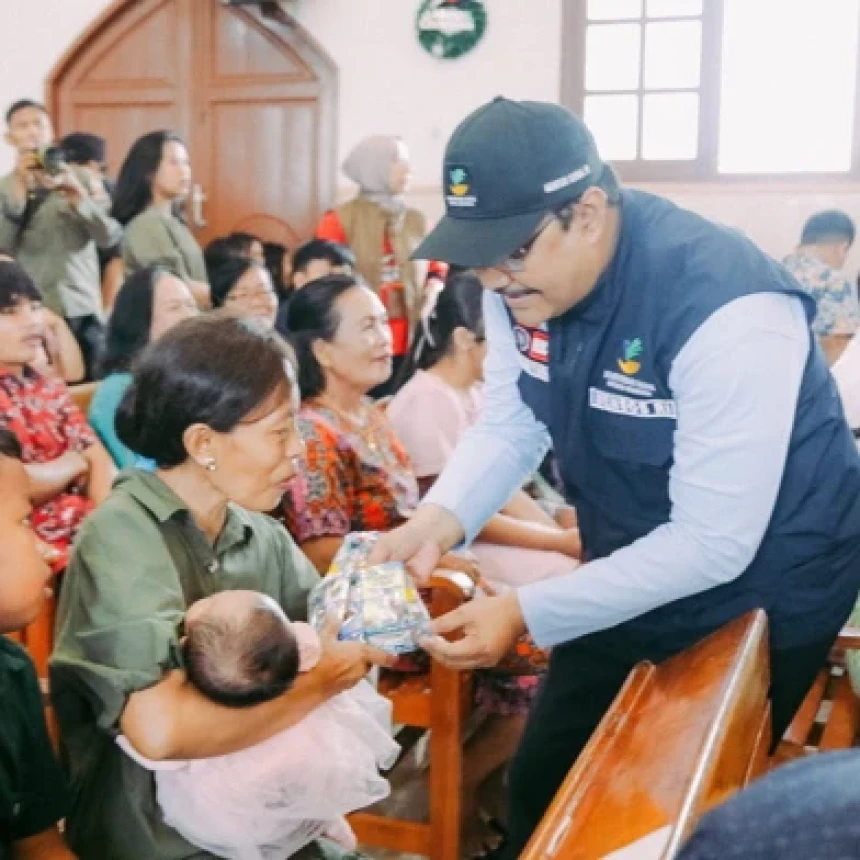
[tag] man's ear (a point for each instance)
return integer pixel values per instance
(592, 211)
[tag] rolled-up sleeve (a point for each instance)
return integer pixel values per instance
(105, 231)
(736, 384)
(117, 627)
(494, 457)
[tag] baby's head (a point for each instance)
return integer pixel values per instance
(239, 648)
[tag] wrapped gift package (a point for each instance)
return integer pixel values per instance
(377, 604)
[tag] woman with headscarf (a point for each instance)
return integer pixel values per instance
(382, 232)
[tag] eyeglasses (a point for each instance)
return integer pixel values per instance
(516, 261)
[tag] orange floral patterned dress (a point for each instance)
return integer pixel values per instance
(360, 479)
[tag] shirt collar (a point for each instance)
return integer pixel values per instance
(12, 659)
(154, 495)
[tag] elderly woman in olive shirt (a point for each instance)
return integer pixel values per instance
(213, 403)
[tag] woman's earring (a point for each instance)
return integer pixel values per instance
(209, 464)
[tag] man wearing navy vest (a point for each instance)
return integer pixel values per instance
(697, 430)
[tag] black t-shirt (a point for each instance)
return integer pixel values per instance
(32, 787)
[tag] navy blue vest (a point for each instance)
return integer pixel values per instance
(593, 373)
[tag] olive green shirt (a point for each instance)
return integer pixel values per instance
(32, 786)
(139, 563)
(58, 247)
(153, 238)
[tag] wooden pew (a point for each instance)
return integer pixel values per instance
(82, 395)
(679, 738)
(829, 718)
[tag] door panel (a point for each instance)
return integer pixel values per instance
(243, 49)
(262, 164)
(142, 54)
(128, 77)
(254, 97)
(257, 139)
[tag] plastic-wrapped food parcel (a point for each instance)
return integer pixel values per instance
(377, 604)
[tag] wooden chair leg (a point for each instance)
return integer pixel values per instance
(841, 728)
(446, 764)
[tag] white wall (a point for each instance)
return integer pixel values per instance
(34, 34)
(389, 84)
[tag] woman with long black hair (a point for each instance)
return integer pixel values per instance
(153, 182)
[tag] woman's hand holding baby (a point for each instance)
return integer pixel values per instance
(343, 664)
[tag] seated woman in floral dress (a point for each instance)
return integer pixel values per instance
(357, 477)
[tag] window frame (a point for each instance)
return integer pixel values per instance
(703, 168)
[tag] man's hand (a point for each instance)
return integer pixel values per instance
(66, 183)
(344, 664)
(25, 173)
(26, 165)
(489, 629)
(419, 543)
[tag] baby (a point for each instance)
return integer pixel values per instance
(270, 800)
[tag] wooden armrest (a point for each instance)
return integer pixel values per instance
(82, 395)
(449, 589)
(849, 639)
(453, 582)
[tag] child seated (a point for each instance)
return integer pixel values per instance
(32, 792)
(268, 801)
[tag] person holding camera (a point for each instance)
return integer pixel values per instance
(53, 216)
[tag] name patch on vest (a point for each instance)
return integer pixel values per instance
(628, 384)
(533, 347)
(618, 404)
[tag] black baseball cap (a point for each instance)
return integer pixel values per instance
(507, 165)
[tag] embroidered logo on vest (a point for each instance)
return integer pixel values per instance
(631, 351)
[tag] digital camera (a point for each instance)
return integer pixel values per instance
(51, 159)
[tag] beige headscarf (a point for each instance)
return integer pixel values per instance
(369, 166)
(376, 213)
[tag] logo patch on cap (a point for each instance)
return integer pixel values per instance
(564, 181)
(459, 187)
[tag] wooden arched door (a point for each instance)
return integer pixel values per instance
(253, 95)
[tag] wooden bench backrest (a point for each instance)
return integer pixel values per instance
(679, 738)
(83, 395)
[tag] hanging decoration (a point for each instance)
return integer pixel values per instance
(447, 29)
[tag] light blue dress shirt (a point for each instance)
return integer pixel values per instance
(735, 382)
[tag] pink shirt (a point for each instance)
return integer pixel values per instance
(429, 417)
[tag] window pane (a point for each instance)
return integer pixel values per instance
(612, 57)
(613, 121)
(787, 99)
(613, 10)
(673, 55)
(670, 126)
(673, 8)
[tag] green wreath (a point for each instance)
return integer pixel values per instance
(442, 30)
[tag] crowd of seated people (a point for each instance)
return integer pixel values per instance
(246, 463)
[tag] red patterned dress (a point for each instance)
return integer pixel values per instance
(355, 480)
(48, 424)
